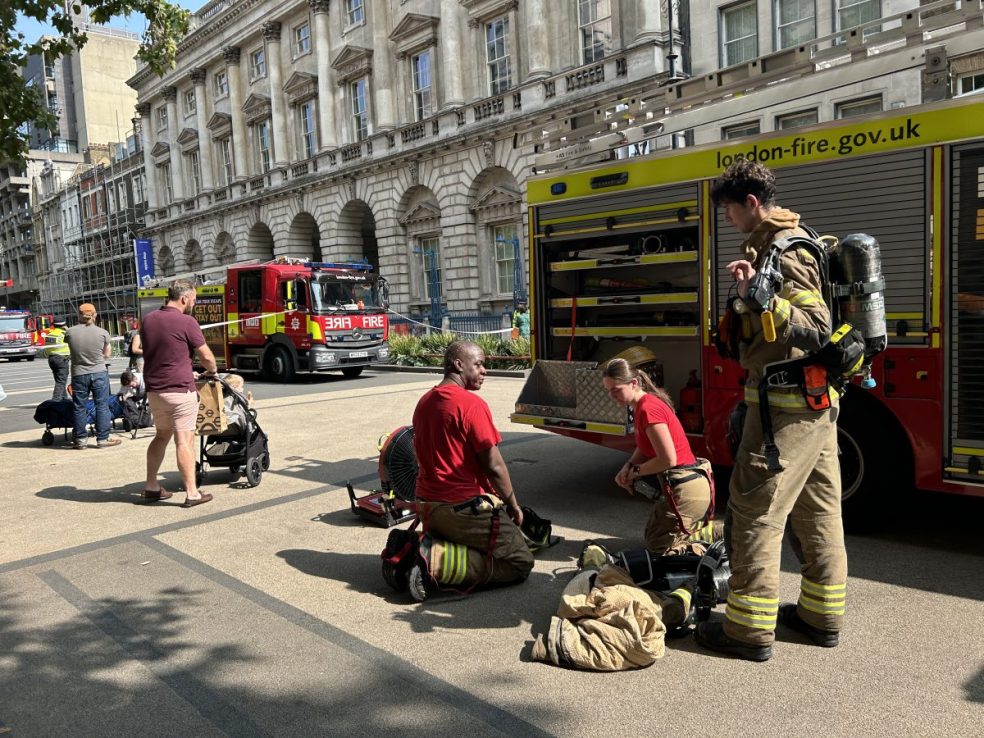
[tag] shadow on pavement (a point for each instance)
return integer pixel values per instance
(974, 687)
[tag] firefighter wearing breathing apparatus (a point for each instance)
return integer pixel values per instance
(786, 465)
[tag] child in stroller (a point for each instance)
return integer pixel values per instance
(242, 447)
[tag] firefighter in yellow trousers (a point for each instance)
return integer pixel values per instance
(806, 489)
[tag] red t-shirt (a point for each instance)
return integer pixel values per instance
(169, 339)
(650, 410)
(451, 426)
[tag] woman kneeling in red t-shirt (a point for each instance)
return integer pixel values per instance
(662, 460)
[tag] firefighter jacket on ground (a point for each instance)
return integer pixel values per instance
(606, 623)
(806, 488)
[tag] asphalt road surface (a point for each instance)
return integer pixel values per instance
(264, 612)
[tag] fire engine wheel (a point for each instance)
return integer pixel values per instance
(48, 438)
(351, 372)
(31, 358)
(254, 471)
(279, 365)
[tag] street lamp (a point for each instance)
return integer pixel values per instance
(519, 280)
(433, 283)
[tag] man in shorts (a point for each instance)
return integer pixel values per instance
(170, 337)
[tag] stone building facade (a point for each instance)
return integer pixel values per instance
(344, 129)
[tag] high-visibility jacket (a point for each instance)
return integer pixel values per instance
(54, 339)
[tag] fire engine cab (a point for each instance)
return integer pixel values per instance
(19, 339)
(289, 316)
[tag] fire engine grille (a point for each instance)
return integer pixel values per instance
(966, 334)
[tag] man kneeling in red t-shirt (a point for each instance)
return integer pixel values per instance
(463, 487)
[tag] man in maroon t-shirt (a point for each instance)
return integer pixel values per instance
(170, 337)
(463, 484)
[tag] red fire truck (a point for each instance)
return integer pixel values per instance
(19, 337)
(289, 316)
(632, 254)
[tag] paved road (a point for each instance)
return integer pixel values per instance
(263, 612)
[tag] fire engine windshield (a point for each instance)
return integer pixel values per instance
(13, 324)
(330, 295)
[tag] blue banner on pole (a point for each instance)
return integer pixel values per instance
(144, 254)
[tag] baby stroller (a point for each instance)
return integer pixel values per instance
(135, 412)
(242, 447)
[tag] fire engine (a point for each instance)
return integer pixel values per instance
(631, 254)
(19, 337)
(288, 316)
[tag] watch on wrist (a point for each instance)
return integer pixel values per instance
(634, 468)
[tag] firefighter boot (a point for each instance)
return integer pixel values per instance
(594, 556)
(791, 619)
(713, 637)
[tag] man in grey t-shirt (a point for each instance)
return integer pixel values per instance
(90, 347)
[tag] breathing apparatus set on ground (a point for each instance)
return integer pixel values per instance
(706, 573)
(852, 287)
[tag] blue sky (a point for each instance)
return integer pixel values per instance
(136, 23)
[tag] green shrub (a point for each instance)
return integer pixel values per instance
(406, 350)
(490, 343)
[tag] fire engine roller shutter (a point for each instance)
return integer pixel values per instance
(885, 196)
(615, 201)
(966, 316)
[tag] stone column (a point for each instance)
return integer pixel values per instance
(327, 137)
(382, 66)
(649, 19)
(271, 32)
(451, 62)
(150, 168)
(204, 139)
(539, 46)
(177, 168)
(239, 142)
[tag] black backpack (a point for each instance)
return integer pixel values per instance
(128, 343)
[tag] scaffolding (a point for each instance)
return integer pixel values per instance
(97, 260)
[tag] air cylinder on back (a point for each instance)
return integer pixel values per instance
(855, 269)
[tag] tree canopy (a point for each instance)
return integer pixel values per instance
(22, 103)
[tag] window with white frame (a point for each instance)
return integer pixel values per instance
(422, 84)
(263, 145)
(138, 189)
(355, 12)
(968, 84)
(797, 120)
(305, 114)
(852, 13)
(429, 251)
(740, 130)
(505, 238)
(861, 106)
(497, 55)
(221, 84)
(110, 199)
(190, 105)
(257, 64)
(162, 118)
(795, 22)
(302, 39)
(165, 172)
(225, 160)
(360, 111)
(739, 33)
(122, 196)
(594, 23)
(194, 167)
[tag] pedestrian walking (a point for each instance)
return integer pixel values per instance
(133, 347)
(58, 358)
(170, 337)
(805, 488)
(89, 347)
(521, 320)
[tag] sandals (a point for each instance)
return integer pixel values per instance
(193, 501)
(156, 495)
